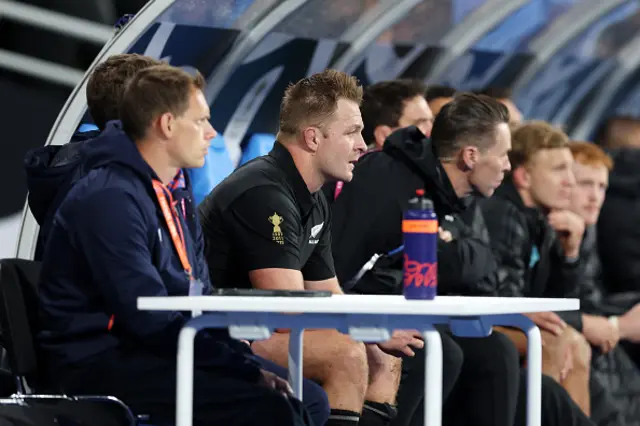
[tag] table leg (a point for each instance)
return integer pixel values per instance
(534, 362)
(184, 390)
(433, 378)
(295, 361)
(534, 376)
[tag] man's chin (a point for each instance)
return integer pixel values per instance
(346, 177)
(480, 192)
(196, 164)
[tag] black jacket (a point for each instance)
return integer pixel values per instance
(531, 263)
(367, 215)
(618, 230)
(594, 297)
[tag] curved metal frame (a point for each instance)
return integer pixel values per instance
(580, 92)
(561, 32)
(462, 37)
(247, 42)
(628, 59)
(368, 28)
(73, 110)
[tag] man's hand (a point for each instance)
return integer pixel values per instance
(549, 321)
(570, 229)
(445, 235)
(600, 332)
(276, 383)
(629, 325)
(401, 343)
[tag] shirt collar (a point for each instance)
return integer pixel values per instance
(306, 200)
(178, 182)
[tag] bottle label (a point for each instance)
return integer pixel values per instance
(418, 226)
(420, 274)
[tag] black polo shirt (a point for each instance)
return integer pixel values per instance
(263, 216)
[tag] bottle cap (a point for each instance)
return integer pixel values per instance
(420, 192)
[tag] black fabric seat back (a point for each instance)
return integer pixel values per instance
(19, 314)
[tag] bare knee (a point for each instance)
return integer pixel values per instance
(347, 362)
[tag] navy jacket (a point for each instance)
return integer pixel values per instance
(108, 245)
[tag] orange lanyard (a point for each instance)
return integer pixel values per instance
(175, 228)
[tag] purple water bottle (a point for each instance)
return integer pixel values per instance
(420, 229)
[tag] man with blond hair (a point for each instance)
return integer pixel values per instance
(537, 241)
(268, 226)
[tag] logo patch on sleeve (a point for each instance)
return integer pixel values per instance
(276, 221)
(315, 231)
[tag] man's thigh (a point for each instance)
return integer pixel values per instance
(495, 353)
(323, 350)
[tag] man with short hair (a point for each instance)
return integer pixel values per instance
(390, 105)
(591, 168)
(107, 82)
(439, 96)
(48, 177)
(268, 226)
(117, 236)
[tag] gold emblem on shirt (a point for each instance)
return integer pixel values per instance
(277, 231)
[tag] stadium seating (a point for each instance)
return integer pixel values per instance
(218, 165)
(259, 144)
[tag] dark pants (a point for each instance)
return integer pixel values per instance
(410, 395)
(498, 395)
(313, 396)
(488, 383)
(604, 409)
(148, 385)
(484, 392)
(558, 409)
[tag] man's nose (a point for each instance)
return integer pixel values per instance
(210, 132)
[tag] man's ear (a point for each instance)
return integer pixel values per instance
(521, 177)
(468, 157)
(381, 133)
(166, 124)
(310, 135)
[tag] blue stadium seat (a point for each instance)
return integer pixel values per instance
(88, 127)
(217, 166)
(259, 144)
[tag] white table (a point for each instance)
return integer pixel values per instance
(365, 318)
